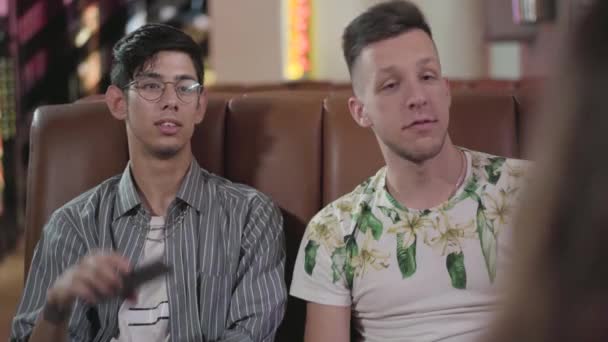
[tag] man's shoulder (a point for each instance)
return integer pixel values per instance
(497, 177)
(343, 209)
(87, 202)
(491, 164)
(225, 189)
(490, 156)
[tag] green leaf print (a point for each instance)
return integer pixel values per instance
(390, 213)
(472, 186)
(456, 269)
(487, 238)
(494, 169)
(425, 212)
(406, 257)
(310, 256)
(338, 260)
(470, 190)
(352, 250)
(341, 261)
(367, 220)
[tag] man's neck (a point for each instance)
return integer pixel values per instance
(426, 184)
(159, 180)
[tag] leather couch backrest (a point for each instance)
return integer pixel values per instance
(302, 148)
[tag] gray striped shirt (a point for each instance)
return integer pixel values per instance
(227, 254)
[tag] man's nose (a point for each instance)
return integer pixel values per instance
(416, 97)
(169, 97)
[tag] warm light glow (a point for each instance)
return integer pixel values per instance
(3, 8)
(89, 24)
(299, 14)
(89, 72)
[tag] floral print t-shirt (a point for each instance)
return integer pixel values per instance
(414, 275)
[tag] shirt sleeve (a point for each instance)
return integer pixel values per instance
(259, 300)
(59, 248)
(318, 274)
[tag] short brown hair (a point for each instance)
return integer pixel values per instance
(380, 22)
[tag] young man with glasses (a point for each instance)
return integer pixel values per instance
(223, 242)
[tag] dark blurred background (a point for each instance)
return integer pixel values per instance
(56, 51)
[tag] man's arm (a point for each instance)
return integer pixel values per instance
(95, 278)
(258, 303)
(327, 323)
(58, 277)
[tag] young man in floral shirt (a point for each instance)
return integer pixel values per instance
(414, 253)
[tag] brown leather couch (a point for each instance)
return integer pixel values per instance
(300, 147)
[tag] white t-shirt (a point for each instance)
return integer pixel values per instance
(147, 320)
(414, 275)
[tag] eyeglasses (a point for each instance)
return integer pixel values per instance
(152, 89)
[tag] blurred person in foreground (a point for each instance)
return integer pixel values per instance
(560, 289)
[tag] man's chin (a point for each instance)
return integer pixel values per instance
(420, 155)
(166, 152)
(421, 151)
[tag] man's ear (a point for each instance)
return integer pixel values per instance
(201, 108)
(357, 111)
(117, 102)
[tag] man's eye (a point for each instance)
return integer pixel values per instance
(187, 89)
(389, 85)
(150, 86)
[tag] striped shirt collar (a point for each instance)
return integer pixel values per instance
(190, 191)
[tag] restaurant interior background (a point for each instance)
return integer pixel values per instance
(57, 51)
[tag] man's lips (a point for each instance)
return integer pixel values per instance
(168, 126)
(168, 123)
(421, 123)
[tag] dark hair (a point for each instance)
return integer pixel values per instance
(380, 22)
(135, 49)
(560, 292)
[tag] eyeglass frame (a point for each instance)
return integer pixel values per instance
(135, 82)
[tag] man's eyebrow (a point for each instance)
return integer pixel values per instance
(427, 60)
(148, 74)
(387, 69)
(185, 77)
(151, 74)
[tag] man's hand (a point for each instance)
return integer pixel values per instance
(97, 277)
